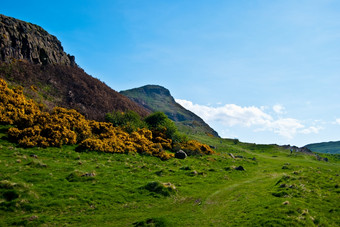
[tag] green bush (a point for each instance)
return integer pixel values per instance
(130, 121)
(159, 123)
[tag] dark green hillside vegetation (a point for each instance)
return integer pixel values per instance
(58, 186)
(326, 147)
(157, 98)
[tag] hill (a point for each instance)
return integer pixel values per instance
(32, 58)
(326, 147)
(58, 187)
(158, 98)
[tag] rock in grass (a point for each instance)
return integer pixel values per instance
(193, 173)
(32, 218)
(34, 156)
(231, 155)
(240, 168)
(285, 203)
(151, 222)
(180, 154)
(88, 175)
(77, 176)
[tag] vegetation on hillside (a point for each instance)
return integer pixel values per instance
(57, 186)
(68, 87)
(157, 98)
(242, 184)
(326, 147)
(34, 127)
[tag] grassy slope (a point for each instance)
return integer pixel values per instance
(327, 147)
(208, 193)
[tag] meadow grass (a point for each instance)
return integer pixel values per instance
(58, 187)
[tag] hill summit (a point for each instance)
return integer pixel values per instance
(34, 59)
(22, 40)
(158, 98)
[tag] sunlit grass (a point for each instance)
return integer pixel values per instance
(58, 186)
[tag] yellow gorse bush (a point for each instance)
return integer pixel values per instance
(34, 127)
(194, 147)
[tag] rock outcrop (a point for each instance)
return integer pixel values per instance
(34, 59)
(26, 41)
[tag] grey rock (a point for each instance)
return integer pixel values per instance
(25, 41)
(180, 154)
(34, 156)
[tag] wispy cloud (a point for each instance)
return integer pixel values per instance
(279, 109)
(337, 121)
(252, 117)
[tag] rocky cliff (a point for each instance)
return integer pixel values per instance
(34, 59)
(22, 40)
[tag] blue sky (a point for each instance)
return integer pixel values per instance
(262, 71)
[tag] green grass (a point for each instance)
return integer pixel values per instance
(58, 187)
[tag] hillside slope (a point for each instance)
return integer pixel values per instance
(158, 98)
(34, 59)
(326, 147)
(58, 187)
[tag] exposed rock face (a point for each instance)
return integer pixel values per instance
(297, 149)
(22, 40)
(50, 76)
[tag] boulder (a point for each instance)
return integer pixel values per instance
(240, 168)
(180, 154)
(34, 156)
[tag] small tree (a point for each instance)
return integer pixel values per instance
(158, 122)
(130, 121)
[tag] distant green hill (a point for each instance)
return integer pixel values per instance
(326, 147)
(158, 98)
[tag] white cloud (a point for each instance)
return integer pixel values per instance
(286, 127)
(234, 115)
(229, 114)
(337, 121)
(279, 109)
(311, 129)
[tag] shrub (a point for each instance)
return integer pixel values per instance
(193, 147)
(61, 126)
(159, 123)
(130, 121)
